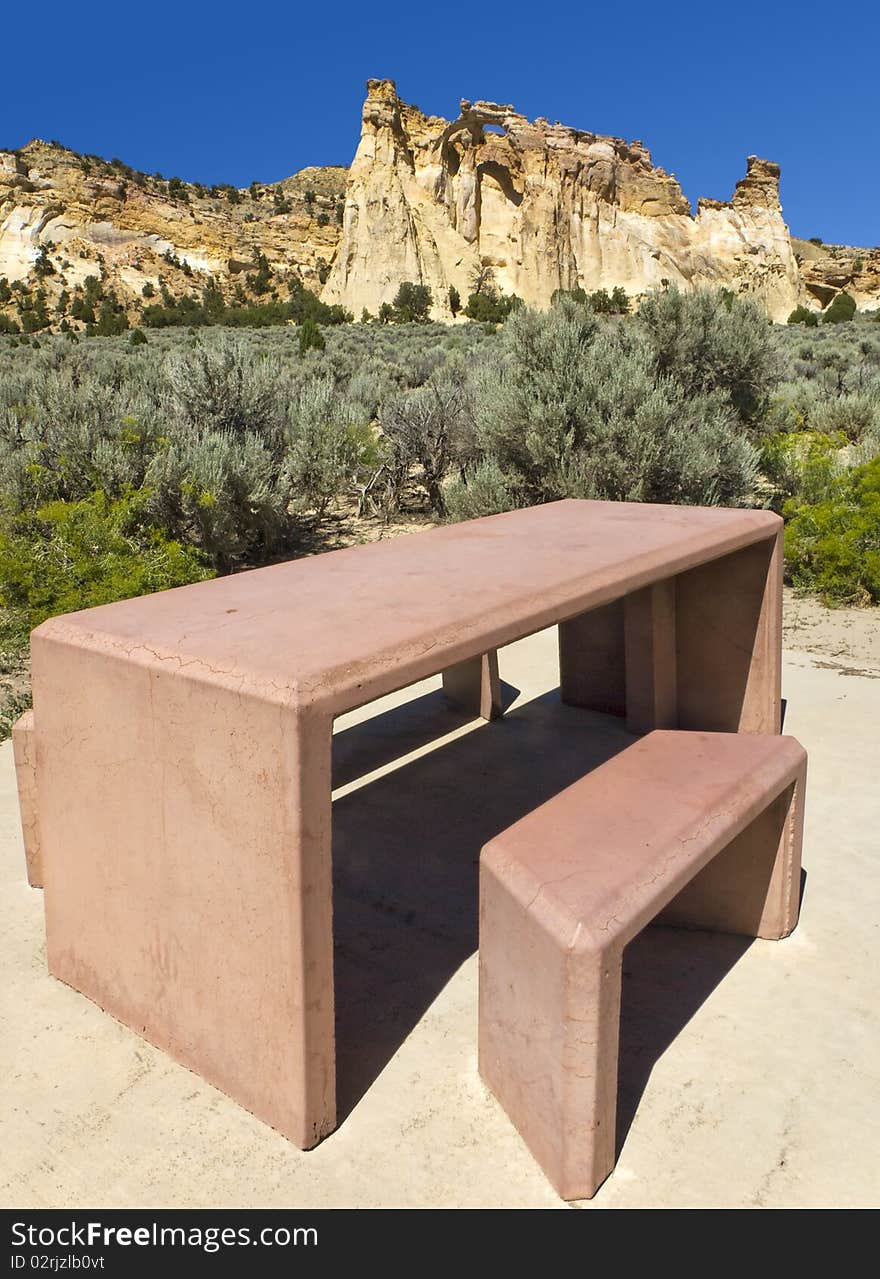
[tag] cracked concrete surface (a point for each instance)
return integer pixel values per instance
(749, 1072)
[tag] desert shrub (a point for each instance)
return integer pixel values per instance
(855, 415)
(218, 479)
(300, 306)
(331, 445)
(71, 555)
(412, 302)
(802, 464)
(481, 490)
(371, 384)
(219, 387)
(491, 307)
(841, 309)
(709, 340)
(69, 434)
(602, 302)
(221, 492)
(423, 427)
(310, 337)
(803, 315)
(14, 705)
(571, 408)
(833, 546)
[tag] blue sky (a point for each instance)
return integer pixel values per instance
(221, 92)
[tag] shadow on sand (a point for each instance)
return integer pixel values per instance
(406, 850)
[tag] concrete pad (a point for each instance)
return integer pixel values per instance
(748, 1070)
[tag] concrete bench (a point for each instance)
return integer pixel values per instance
(703, 827)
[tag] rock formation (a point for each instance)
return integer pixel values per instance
(98, 218)
(828, 269)
(544, 207)
(529, 205)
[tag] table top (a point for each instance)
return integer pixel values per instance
(344, 627)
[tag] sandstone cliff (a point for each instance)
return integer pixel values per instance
(532, 205)
(94, 217)
(828, 269)
(545, 207)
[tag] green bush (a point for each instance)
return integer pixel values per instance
(710, 340)
(833, 546)
(481, 490)
(424, 428)
(855, 414)
(841, 310)
(310, 337)
(330, 445)
(803, 315)
(802, 464)
(72, 555)
(603, 303)
(569, 408)
(491, 307)
(412, 302)
(187, 312)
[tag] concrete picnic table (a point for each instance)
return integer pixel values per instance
(183, 747)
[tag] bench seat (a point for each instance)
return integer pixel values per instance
(701, 829)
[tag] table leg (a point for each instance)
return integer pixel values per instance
(591, 660)
(700, 651)
(729, 642)
(475, 685)
(649, 658)
(185, 827)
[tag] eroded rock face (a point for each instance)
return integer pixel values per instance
(828, 269)
(539, 205)
(546, 207)
(125, 226)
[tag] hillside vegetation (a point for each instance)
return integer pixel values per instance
(147, 460)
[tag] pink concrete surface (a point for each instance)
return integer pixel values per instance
(706, 825)
(24, 750)
(183, 763)
(700, 649)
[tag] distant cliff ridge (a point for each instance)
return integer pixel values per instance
(546, 207)
(532, 205)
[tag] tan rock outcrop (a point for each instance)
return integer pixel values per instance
(102, 217)
(545, 207)
(537, 206)
(829, 269)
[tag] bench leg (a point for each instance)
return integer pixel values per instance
(753, 886)
(549, 1025)
(475, 686)
(25, 755)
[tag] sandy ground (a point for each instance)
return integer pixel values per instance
(748, 1070)
(847, 638)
